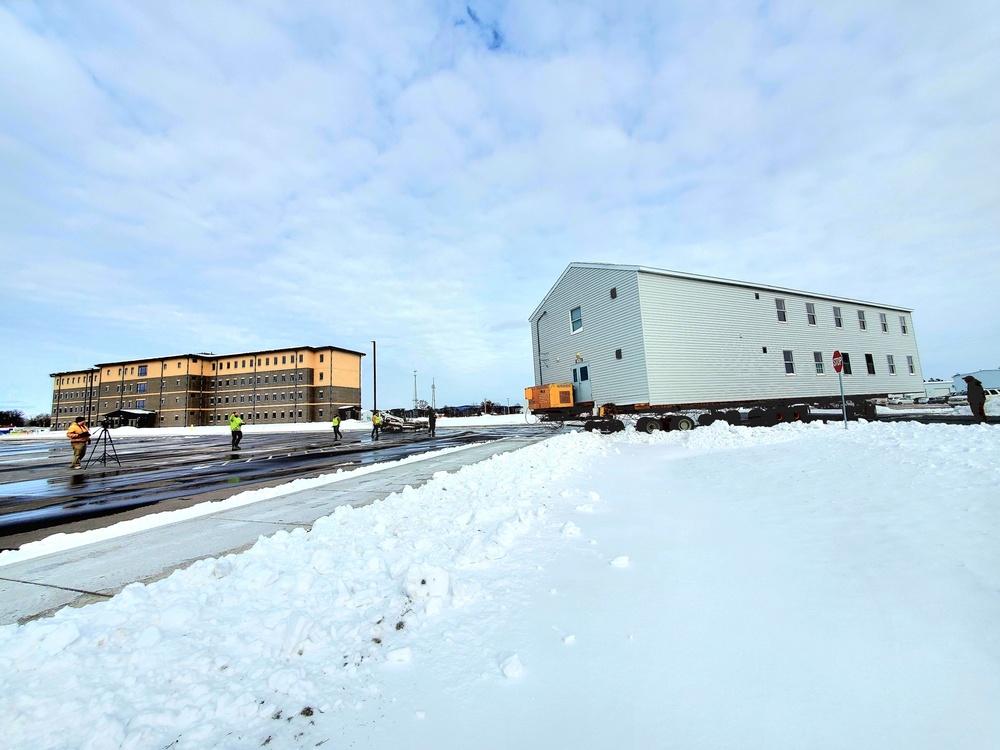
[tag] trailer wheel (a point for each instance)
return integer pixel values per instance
(681, 423)
(757, 418)
(615, 425)
(589, 426)
(706, 419)
(734, 417)
(649, 425)
(801, 413)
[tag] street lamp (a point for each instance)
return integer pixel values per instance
(374, 380)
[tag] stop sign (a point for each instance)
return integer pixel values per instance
(838, 361)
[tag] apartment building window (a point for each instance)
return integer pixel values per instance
(847, 362)
(811, 313)
(838, 318)
(902, 324)
(862, 323)
(818, 359)
(321, 376)
(300, 376)
(321, 359)
(884, 322)
(870, 362)
(789, 362)
(283, 361)
(576, 319)
(909, 365)
(321, 395)
(779, 305)
(140, 403)
(142, 371)
(283, 377)
(140, 388)
(891, 363)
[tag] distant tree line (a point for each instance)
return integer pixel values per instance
(15, 418)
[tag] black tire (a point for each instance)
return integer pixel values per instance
(801, 413)
(589, 426)
(706, 419)
(757, 418)
(649, 425)
(615, 425)
(734, 417)
(681, 423)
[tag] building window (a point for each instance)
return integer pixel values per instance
(779, 305)
(909, 365)
(282, 377)
(142, 371)
(575, 319)
(614, 292)
(884, 322)
(321, 359)
(862, 324)
(321, 412)
(283, 361)
(300, 360)
(300, 376)
(870, 362)
(321, 377)
(811, 313)
(140, 403)
(140, 388)
(892, 364)
(902, 324)
(789, 362)
(618, 353)
(818, 359)
(838, 319)
(847, 362)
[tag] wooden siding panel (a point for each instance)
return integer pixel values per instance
(608, 325)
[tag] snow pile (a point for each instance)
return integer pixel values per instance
(800, 586)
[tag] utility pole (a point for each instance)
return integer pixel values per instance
(414, 390)
(433, 395)
(374, 380)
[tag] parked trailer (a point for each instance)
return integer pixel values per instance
(686, 416)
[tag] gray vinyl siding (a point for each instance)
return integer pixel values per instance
(705, 342)
(608, 324)
(688, 340)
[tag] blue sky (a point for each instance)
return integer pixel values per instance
(186, 177)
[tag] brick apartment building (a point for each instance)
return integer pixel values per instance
(297, 384)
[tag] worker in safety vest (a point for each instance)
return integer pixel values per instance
(79, 435)
(235, 426)
(336, 427)
(376, 424)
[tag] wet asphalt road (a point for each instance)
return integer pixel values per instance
(40, 495)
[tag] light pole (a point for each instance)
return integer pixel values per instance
(414, 390)
(374, 380)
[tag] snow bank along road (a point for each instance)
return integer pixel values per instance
(98, 563)
(39, 495)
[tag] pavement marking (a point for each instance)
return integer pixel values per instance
(53, 586)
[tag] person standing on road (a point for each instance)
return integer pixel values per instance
(336, 427)
(977, 397)
(431, 423)
(235, 426)
(79, 435)
(376, 424)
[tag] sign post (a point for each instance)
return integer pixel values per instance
(838, 366)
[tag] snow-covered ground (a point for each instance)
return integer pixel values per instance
(802, 586)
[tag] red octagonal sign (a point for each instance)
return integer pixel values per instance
(838, 361)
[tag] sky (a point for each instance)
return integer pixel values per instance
(500, 606)
(181, 177)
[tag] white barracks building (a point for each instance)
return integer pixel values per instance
(637, 335)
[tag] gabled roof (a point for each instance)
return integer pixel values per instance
(709, 279)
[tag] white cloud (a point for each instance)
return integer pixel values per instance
(258, 175)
